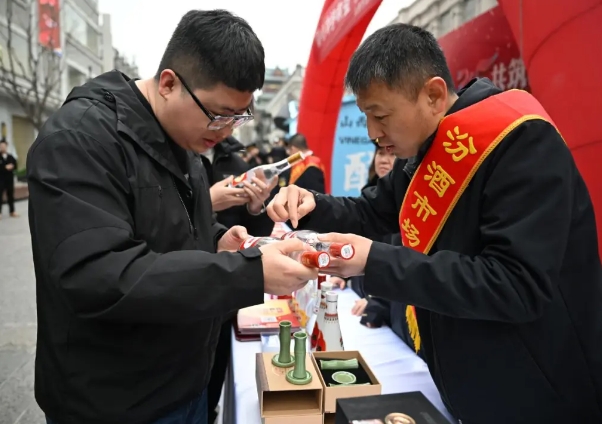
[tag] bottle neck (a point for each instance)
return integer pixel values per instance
(331, 306)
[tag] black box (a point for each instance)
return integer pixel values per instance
(382, 408)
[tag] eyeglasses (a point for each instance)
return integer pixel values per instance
(218, 122)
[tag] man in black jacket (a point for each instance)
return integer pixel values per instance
(8, 166)
(131, 293)
(505, 279)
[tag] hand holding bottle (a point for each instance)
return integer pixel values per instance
(283, 275)
(257, 193)
(224, 197)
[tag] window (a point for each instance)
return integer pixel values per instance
(79, 29)
(470, 9)
(76, 77)
(446, 22)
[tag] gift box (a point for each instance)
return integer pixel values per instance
(281, 402)
(400, 408)
(365, 383)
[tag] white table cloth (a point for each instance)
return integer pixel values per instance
(397, 367)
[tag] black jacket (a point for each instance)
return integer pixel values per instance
(227, 162)
(509, 301)
(130, 293)
(7, 176)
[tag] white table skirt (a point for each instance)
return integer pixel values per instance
(397, 367)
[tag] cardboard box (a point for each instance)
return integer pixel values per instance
(383, 409)
(331, 394)
(281, 402)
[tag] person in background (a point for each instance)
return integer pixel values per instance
(252, 156)
(8, 166)
(500, 261)
(133, 273)
(375, 311)
(232, 206)
(308, 174)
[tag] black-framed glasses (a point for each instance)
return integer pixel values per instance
(217, 122)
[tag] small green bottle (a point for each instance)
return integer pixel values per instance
(299, 374)
(284, 359)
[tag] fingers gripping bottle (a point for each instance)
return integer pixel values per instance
(336, 250)
(269, 171)
(309, 259)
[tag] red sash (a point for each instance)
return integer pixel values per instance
(463, 141)
(298, 169)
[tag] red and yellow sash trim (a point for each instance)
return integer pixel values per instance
(463, 141)
(298, 169)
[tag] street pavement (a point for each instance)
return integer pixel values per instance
(17, 321)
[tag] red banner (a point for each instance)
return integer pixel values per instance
(49, 27)
(493, 52)
(338, 20)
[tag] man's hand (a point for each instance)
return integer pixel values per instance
(232, 239)
(281, 274)
(337, 282)
(353, 266)
(292, 203)
(359, 307)
(10, 167)
(224, 197)
(258, 193)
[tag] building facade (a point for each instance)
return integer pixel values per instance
(82, 42)
(442, 16)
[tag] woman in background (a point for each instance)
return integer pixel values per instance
(375, 312)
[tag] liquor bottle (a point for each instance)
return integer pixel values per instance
(336, 250)
(269, 171)
(316, 334)
(311, 259)
(331, 329)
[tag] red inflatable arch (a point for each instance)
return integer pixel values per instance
(559, 42)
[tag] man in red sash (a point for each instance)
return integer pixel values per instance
(308, 174)
(500, 255)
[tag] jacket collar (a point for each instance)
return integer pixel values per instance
(476, 90)
(133, 119)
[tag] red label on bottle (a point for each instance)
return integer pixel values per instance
(239, 179)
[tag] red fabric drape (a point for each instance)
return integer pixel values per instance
(560, 44)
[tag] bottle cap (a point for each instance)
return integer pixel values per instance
(326, 286)
(342, 250)
(315, 259)
(332, 296)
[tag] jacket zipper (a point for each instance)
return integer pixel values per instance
(191, 227)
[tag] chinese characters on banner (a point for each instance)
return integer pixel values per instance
(341, 16)
(352, 153)
(49, 28)
(511, 75)
(493, 52)
(429, 203)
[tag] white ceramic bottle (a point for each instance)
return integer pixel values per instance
(331, 329)
(316, 335)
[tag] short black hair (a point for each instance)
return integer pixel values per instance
(214, 46)
(299, 141)
(401, 56)
(3, 141)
